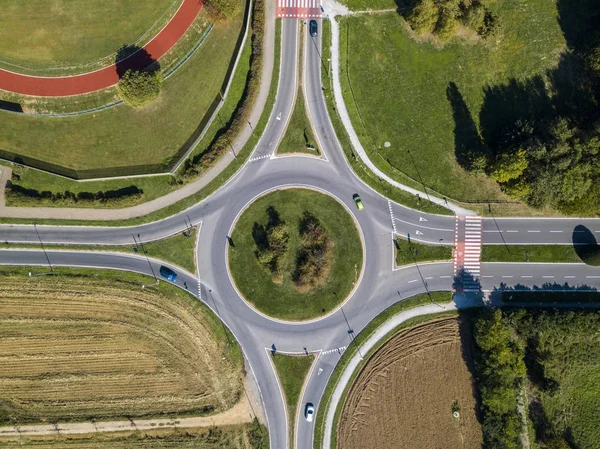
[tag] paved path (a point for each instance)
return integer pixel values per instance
(100, 79)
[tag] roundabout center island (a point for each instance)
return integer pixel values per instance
(295, 254)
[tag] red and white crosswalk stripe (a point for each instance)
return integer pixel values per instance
(467, 253)
(299, 9)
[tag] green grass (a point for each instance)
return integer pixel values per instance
(240, 436)
(177, 250)
(415, 301)
(364, 173)
(365, 5)
(541, 253)
(38, 35)
(284, 300)
(153, 187)
(395, 89)
(121, 137)
(299, 132)
(410, 253)
(292, 371)
(211, 187)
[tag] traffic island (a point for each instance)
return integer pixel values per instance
(295, 254)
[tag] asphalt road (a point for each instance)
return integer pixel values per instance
(381, 285)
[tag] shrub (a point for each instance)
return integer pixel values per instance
(223, 9)
(423, 17)
(313, 258)
(139, 88)
(113, 197)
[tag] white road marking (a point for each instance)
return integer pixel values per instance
(570, 277)
(445, 277)
(414, 280)
(548, 277)
(488, 276)
(392, 215)
(530, 230)
(555, 231)
(512, 231)
(527, 277)
(592, 277)
(423, 219)
(506, 277)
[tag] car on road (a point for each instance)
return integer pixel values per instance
(358, 201)
(312, 26)
(168, 274)
(309, 412)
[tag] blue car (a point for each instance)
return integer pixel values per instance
(168, 274)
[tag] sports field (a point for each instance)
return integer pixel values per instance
(396, 88)
(95, 347)
(392, 404)
(52, 37)
(121, 137)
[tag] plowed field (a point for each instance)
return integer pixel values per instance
(79, 348)
(403, 397)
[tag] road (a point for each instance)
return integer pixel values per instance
(381, 284)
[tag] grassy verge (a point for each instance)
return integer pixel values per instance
(415, 301)
(241, 436)
(549, 297)
(118, 139)
(177, 250)
(292, 371)
(357, 166)
(214, 185)
(589, 254)
(299, 134)
(396, 90)
(279, 296)
(409, 252)
(75, 36)
(104, 349)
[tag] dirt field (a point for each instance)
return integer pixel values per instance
(404, 396)
(81, 349)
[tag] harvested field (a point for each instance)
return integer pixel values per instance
(79, 348)
(404, 396)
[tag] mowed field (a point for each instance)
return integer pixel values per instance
(80, 348)
(38, 35)
(395, 87)
(404, 396)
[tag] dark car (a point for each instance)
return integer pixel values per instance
(312, 26)
(168, 274)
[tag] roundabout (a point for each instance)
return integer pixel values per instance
(295, 254)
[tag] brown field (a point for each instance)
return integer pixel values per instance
(79, 349)
(404, 395)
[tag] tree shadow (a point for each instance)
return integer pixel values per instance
(259, 235)
(132, 57)
(468, 145)
(10, 106)
(549, 294)
(585, 245)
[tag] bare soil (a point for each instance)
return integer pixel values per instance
(403, 397)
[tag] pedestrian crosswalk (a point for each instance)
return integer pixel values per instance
(299, 9)
(467, 254)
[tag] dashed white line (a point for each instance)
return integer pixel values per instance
(258, 158)
(392, 215)
(511, 231)
(592, 277)
(530, 230)
(506, 277)
(570, 277)
(555, 231)
(526, 277)
(548, 277)
(414, 280)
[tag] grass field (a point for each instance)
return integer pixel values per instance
(358, 167)
(541, 253)
(292, 371)
(40, 35)
(410, 253)
(283, 300)
(178, 249)
(363, 335)
(392, 404)
(122, 137)
(90, 344)
(246, 436)
(299, 132)
(395, 88)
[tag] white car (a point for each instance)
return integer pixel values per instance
(309, 412)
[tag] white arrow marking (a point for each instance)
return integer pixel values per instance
(423, 219)
(419, 233)
(279, 116)
(320, 371)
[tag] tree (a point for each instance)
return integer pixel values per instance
(509, 166)
(423, 17)
(139, 88)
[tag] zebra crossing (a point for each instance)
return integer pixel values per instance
(467, 254)
(303, 9)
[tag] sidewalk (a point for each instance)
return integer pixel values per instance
(179, 194)
(333, 9)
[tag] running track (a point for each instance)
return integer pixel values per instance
(106, 77)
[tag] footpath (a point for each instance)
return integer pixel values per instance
(179, 194)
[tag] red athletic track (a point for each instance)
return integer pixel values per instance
(106, 77)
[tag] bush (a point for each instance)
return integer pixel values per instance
(223, 9)
(313, 258)
(114, 197)
(196, 165)
(423, 17)
(139, 88)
